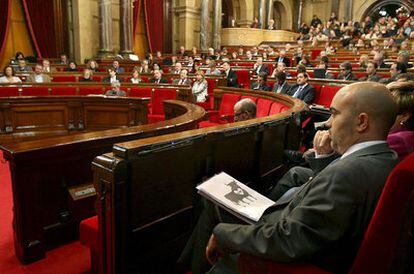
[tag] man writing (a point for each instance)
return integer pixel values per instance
(323, 220)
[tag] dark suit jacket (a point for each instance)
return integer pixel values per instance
(348, 77)
(163, 80)
(258, 86)
(285, 87)
(324, 221)
(284, 60)
(307, 94)
(263, 68)
(232, 80)
(373, 78)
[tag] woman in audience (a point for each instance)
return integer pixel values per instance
(401, 136)
(144, 67)
(200, 87)
(92, 65)
(87, 75)
(72, 66)
(135, 77)
(156, 66)
(9, 77)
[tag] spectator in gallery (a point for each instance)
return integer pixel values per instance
(118, 69)
(87, 75)
(22, 66)
(46, 66)
(9, 76)
(93, 65)
(256, 24)
(135, 79)
(315, 21)
(144, 68)
(72, 66)
(38, 76)
(112, 76)
(63, 59)
(271, 25)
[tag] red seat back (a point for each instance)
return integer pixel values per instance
(325, 96)
(85, 90)
(277, 108)
(393, 216)
(141, 92)
(9, 91)
(159, 95)
(35, 91)
(254, 99)
(227, 104)
(64, 78)
(64, 91)
(263, 107)
(243, 77)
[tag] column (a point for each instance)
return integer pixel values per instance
(300, 13)
(348, 9)
(125, 32)
(262, 13)
(335, 7)
(105, 29)
(204, 22)
(269, 11)
(217, 17)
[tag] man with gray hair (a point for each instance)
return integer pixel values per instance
(244, 109)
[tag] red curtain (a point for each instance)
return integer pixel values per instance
(5, 9)
(40, 20)
(154, 14)
(136, 11)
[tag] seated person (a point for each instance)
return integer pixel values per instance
(281, 85)
(212, 69)
(345, 72)
(231, 75)
(183, 80)
(281, 67)
(395, 70)
(200, 87)
(259, 67)
(116, 90)
(372, 75)
(117, 68)
(22, 66)
(87, 76)
(303, 90)
(177, 68)
(38, 76)
(112, 76)
(135, 79)
(46, 66)
(157, 78)
(323, 221)
(93, 65)
(8, 76)
(401, 136)
(63, 59)
(72, 66)
(261, 83)
(244, 109)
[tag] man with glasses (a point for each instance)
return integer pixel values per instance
(346, 72)
(244, 109)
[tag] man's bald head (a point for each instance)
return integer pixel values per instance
(370, 108)
(244, 109)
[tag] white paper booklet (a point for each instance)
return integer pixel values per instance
(235, 197)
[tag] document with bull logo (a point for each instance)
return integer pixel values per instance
(235, 197)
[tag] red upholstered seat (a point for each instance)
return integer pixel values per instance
(277, 108)
(35, 91)
(141, 92)
(88, 232)
(85, 90)
(254, 99)
(226, 111)
(387, 241)
(325, 96)
(97, 78)
(64, 91)
(243, 77)
(263, 107)
(9, 91)
(64, 78)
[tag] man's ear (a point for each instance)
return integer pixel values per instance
(363, 122)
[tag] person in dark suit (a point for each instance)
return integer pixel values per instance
(281, 86)
(282, 58)
(183, 80)
(113, 77)
(116, 90)
(322, 220)
(157, 78)
(261, 83)
(231, 75)
(372, 75)
(117, 68)
(259, 67)
(303, 90)
(346, 72)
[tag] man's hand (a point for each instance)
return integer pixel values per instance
(211, 250)
(322, 142)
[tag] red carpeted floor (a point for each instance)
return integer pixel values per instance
(71, 258)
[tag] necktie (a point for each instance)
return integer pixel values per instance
(298, 91)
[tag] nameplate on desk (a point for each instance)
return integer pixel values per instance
(82, 191)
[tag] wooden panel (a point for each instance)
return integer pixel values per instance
(253, 37)
(40, 117)
(99, 117)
